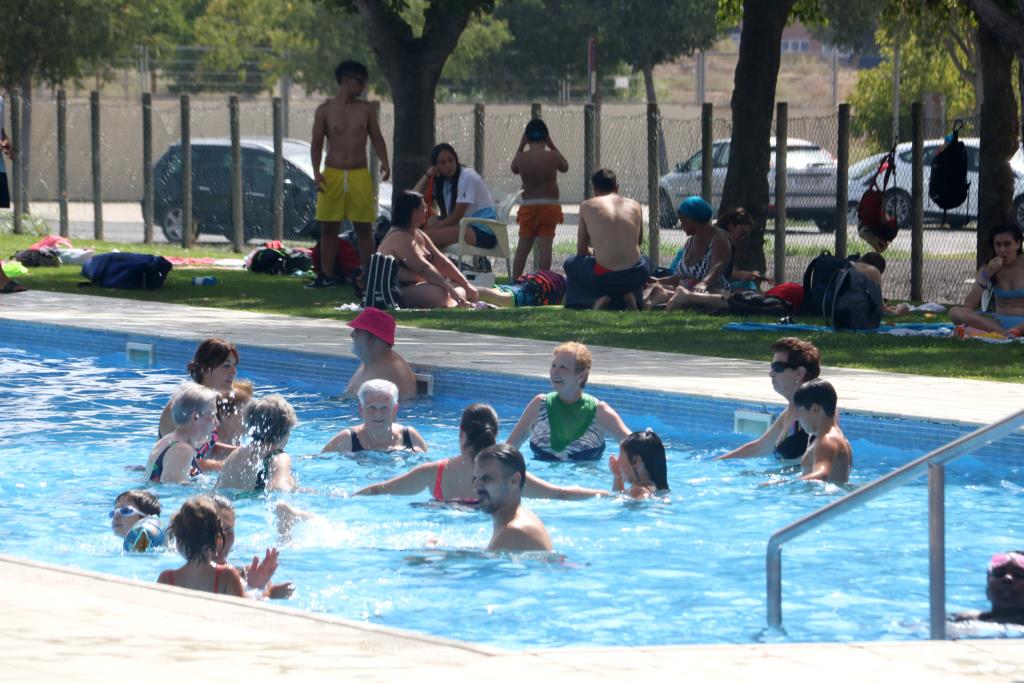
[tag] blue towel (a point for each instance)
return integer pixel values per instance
(798, 327)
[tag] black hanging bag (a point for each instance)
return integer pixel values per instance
(948, 185)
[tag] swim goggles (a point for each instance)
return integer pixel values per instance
(125, 511)
(779, 366)
(1002, 559)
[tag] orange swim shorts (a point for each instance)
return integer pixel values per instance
(539, 220)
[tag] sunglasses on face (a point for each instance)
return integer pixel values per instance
(779, 366)
(125, 511)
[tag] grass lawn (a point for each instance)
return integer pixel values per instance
(683, 332)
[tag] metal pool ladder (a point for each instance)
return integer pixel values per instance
(935, 462)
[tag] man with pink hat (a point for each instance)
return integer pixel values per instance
(373, 336)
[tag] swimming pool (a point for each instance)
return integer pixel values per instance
(683, 571)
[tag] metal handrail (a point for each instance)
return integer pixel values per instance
(935, 462)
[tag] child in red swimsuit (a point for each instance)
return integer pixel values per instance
(197, 533)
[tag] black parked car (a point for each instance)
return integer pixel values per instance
(211, 189)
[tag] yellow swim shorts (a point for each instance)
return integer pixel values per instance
(346, 195)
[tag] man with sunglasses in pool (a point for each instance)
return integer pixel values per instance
(794, 362)
(499, 473)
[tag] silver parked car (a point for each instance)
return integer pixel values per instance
(897, 196)
(810, 182)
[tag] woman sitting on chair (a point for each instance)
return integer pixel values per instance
(426, 278)
(460, 193)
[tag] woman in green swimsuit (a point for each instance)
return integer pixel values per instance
(568, 424)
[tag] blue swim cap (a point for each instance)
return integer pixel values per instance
(696, 208)
(146, 533)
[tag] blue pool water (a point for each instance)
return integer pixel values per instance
(686, 570)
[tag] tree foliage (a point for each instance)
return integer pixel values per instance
(925, 67)
(57, 40)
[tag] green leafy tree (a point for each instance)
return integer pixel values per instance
(412, 42)
(54, 41)
(925, 67)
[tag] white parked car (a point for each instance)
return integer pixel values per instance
(898, 202)
(810, 182)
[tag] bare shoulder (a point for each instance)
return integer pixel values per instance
(834, 441)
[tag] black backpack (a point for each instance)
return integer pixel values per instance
(853, 301)
(752, 302)
(947, 184)
(270, 261)
(817, 277)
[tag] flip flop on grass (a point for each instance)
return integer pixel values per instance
(13, 287)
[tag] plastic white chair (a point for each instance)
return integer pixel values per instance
(498, 226)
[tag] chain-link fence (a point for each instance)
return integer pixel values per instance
(621, 143)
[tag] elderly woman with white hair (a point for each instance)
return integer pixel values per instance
(378, 405)
(174, 458)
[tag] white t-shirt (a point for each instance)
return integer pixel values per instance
(472, 190)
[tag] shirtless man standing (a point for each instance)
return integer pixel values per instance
(345, 189)
(499, 473)
(538, 162)
(373, 336)
(829, 456)
(612, 226)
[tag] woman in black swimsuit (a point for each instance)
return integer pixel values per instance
(378, 405)
(262, 464)
(794, 361)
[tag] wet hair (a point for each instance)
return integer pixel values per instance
(222, 503)
(190, 399)
(604, 181)
(873, 258)
(440, 180)
(510, 458)
(235, 402)
(817, 392)
(536, 130)
(731, 217)
(405, 206)
(583, 356)
(647, 446)
(1011, 229)
(378, 386)
(800, 353)
(210, 354)
(270, 420)
(143, 501)
(350, 68)
(195, 529)
(480, 425)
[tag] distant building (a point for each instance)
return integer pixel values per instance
(797, 39)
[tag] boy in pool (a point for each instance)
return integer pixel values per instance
(136, 518)
(829, 456)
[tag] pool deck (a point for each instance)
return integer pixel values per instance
(61, 624)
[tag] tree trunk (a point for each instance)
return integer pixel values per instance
(26, 138)
(652, 96)
(412, 66)
(412, 89)
(753, 104)
(999, 136)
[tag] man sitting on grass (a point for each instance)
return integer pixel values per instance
(614, 275)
